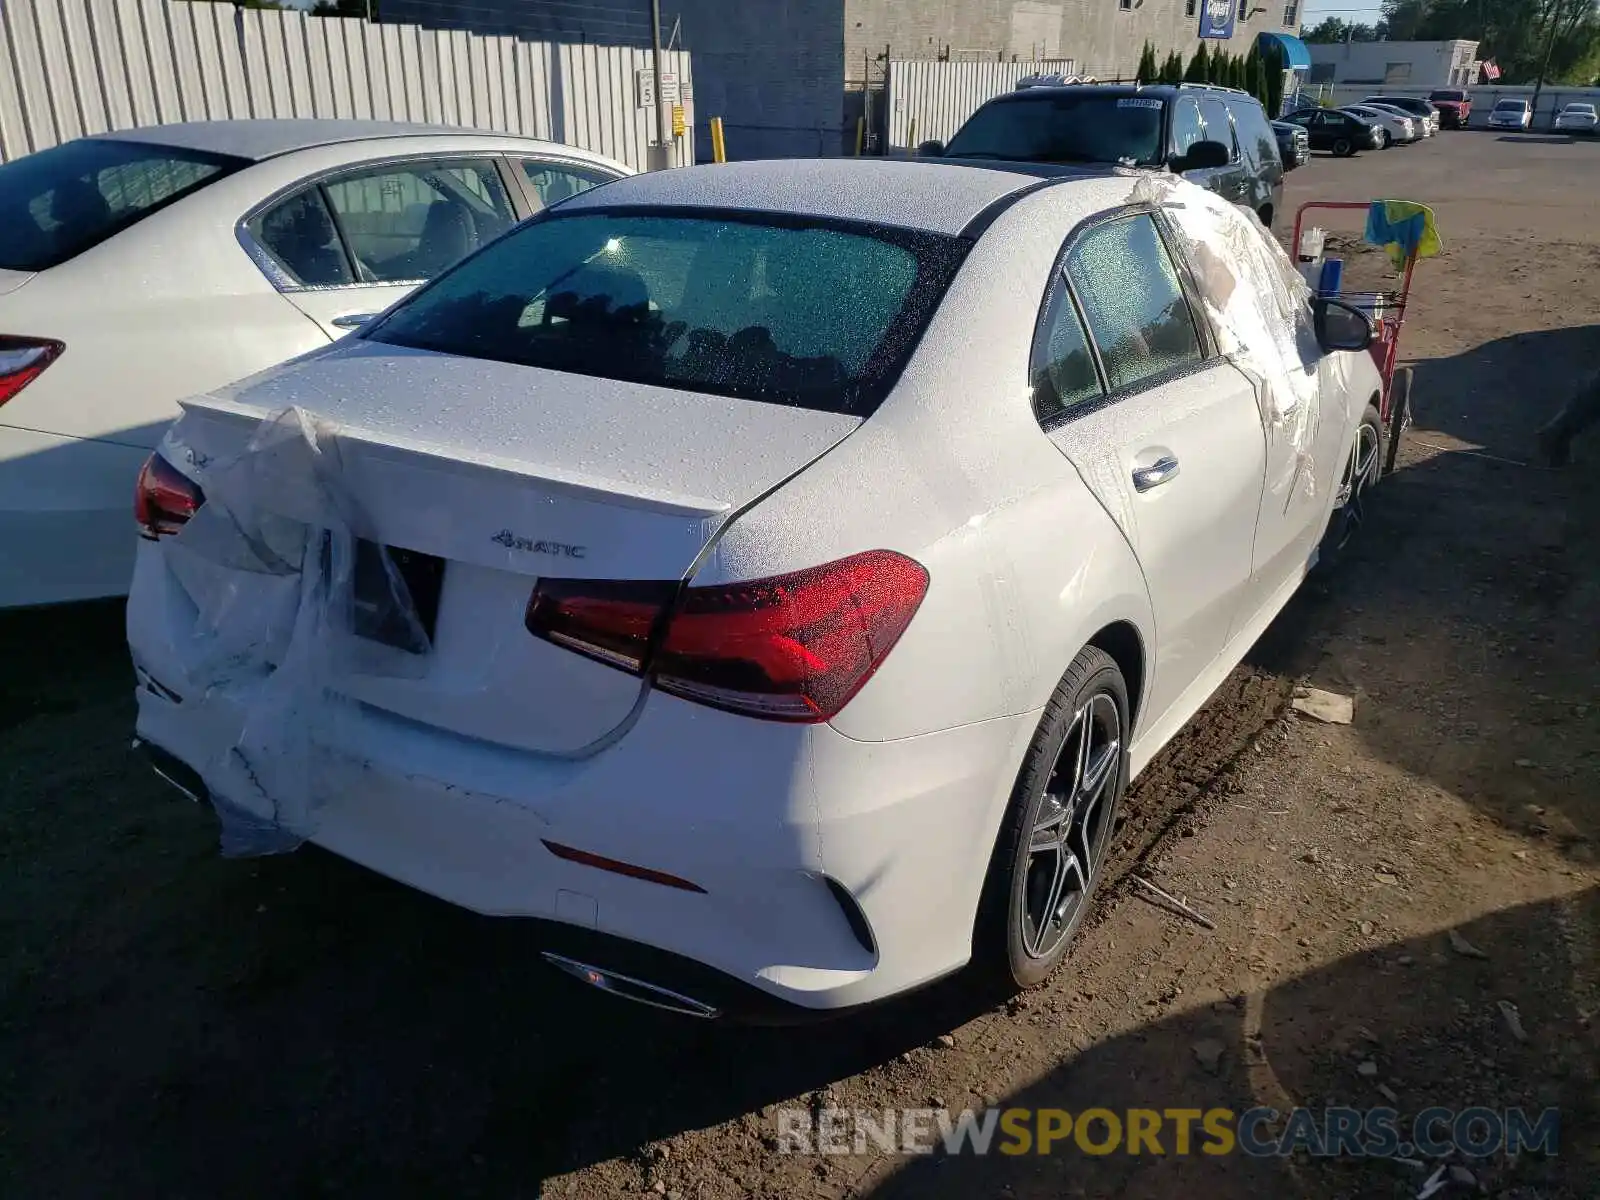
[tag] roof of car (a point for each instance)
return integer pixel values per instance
(261, 139)
(927, 194)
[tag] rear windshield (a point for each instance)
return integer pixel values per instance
(1454, 96)
(819, 317)
(60, 202)
(1064, 128)
(1512, 105)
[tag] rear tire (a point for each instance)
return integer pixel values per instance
(1052, 845)
(1388, 139)
(1343, 148)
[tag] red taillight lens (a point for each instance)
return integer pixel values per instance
(22, 360)
(163, 499)
(790, 648)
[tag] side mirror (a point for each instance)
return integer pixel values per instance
(1202, 156)
(1340, 326)
(932, 149)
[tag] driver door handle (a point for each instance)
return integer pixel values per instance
(1157, 473)
(352, 320)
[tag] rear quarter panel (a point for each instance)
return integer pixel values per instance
(954, 471)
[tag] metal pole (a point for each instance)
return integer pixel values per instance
(663, 137)
(1544, 68)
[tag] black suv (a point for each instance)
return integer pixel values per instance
(1217, 137)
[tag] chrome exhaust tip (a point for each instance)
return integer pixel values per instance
(629, 988)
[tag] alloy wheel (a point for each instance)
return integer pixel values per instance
(1358, 472)
(1071, 827)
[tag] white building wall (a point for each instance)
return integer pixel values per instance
(1396, 64)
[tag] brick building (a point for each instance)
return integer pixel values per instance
(787, 76)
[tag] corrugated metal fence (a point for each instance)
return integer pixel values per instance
(74, 67)
(939, 96)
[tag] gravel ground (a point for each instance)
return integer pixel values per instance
(173, 1025)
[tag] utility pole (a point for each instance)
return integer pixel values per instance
(663, 154)
(1549, 51)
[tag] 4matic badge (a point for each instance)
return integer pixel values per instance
(560, 549)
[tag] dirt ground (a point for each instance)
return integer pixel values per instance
(176, 1025)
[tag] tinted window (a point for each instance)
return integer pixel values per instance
(824, 318)
(1063, 127)
(300, 234)
(1134, 304)
(1063, 373)
(60, 202)
(552, 183)
(1187, 127)
(1255, 132)
(410, 222)
(1218, 127)
(1447, 95)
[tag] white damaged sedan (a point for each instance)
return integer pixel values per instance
(768, 575)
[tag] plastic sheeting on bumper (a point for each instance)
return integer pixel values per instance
(282, 602)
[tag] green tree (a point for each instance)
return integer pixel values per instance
(1333, 29)
(1172, 69)
(1514, 33)
(345, 8)
(1272, 66)
(1258, 79)
(1148, 71)
(1196, 70)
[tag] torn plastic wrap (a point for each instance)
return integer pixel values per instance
(284, 587)
(1261, 308)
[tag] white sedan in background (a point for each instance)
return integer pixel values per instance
(769, 575)
(139, 267)
(1577, 117)
(1393, 125)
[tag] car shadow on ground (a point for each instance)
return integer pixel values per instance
(1534, 139)
(1483, 676)
(1402, 1008)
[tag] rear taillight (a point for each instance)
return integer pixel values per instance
(163, 499)
(22, 360)
(789, 648)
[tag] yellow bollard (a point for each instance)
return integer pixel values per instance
(911, 142)
(861, 134)
(719, 148)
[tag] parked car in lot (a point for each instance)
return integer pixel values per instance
(1454, 106)
(1392, 125)
(769, 575)
(140, 267)
(1577, 117)
(1294, 144)
(1217, 137)
(1340, 133)
(1419, 109)
(1510, 114)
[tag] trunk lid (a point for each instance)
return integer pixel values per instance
(11, 280)
(488, 476)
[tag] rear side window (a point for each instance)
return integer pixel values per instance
(299, 232)
(408, 223)
(1063, 371)
(57, 203)
(1133, 301)
(823, 317)
(552, 183)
